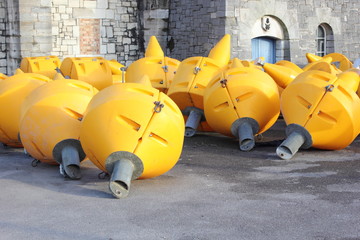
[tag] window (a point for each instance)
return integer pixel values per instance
(324, 40)
(321, 42)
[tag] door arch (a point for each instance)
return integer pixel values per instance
(270, 39)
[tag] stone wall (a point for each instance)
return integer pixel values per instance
(195, 27)
(112, 25)
(154, 21)
(9, 36)
(68, 28)
(120, 29)
(300, 19)
(3, 53)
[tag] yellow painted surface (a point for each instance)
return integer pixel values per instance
(13, 91)
(248, 92)
(51, 114)
(331, 117)
(44, 65)
(93, 70)
(123, 117)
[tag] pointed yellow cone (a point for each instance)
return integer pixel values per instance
(18, 71)
(222, 50)
(154, 49)
(283, 76)
(58, 76)
(236, 63)
(145, 80)
(312, 57)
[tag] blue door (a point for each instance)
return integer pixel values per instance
(264, 47)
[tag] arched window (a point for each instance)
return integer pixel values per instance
(324, 40)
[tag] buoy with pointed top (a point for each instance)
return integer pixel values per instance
(13, 91)
(242, 102)
(50, 123)
(159, 68)
(190, 81)
(321, 110)
(132, 131)
(93, 70)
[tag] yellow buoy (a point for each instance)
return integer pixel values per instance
(13, 91)
(132, 131)
(93, 70)
(191, 79)
(159, 69)
(321, 110)
(343, 62)
(242, 102)
(44, 65)
(50, 123)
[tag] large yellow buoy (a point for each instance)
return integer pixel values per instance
(44, 65)
(321, 110)
(50, 123)
(242, 102)
(13, 91)
(191, 79)
(132, 131)
(159, 68)
(93, 70)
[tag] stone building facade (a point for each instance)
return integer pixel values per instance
(120, 29)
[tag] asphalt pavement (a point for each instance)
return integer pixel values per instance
(214, 192)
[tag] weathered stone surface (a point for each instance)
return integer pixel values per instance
(184, 28)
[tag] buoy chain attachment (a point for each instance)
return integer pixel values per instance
(35, 163)
(329, 88)
(103, 175)
(165, 68)
(223, 83)
(158, 106)
(197, 70)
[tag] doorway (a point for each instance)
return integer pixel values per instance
(264, 47)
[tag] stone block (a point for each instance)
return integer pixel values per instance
(102, 4)
(61, 2)
(109, 32)
(64, 16)
(62, 9)
(90, 4)
(103, 49)
(111, 48)
(42, 39)
(74, 3)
